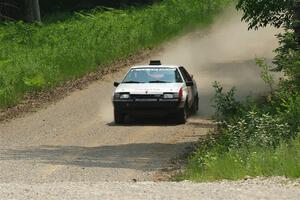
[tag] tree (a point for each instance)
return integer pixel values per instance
(278, 13)
(32, 11)
(260, 13)
(296, 19)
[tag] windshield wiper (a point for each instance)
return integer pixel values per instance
(158, 81)
(132, 82)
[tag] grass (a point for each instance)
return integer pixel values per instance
(38, 57)
(241, 163)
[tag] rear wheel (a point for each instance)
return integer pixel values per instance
(119, 117)
(195, 106)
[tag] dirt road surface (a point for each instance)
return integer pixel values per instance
(73, 145)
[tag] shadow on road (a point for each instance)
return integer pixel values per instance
(146, 157)
(146, 122)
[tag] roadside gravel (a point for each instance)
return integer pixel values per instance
(273, 189)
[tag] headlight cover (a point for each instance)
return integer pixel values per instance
(124, 96)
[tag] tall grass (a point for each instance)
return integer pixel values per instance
(240, 163)
(37, 57)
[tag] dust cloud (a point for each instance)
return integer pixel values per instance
(224, 52)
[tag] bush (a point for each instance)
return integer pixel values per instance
(255, 130)
(288, 56)
(287, 106)
(224, 102)
(254, 140)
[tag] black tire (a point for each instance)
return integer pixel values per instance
(195, 106)
(182, 115)
(119, 117)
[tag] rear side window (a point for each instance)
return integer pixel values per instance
(186, 76)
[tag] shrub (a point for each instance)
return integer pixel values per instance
(265, 74)
(289, 110)
(254, 140)
(255, 130)
(224, 102)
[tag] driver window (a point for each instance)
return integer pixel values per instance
(185, 74)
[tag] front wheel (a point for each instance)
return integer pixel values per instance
(182, 115)
(119, 117)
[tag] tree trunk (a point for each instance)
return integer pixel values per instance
(32, 11)
(296, 20)
(36, 10)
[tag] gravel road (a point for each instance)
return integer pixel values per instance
(73, 150)
(275, 189)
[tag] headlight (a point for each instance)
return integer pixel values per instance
(124, 96)
(116, 96)
(169, 96)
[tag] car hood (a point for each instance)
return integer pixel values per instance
(149, 88)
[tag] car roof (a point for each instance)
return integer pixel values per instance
(154, 66)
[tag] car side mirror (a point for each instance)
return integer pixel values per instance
(116, 84)
(189, 83)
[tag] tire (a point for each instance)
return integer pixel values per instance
(119, 117)
(182, 115)
(195, 106)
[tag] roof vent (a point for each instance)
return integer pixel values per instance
(155, 62)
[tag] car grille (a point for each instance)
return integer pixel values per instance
(146, 96)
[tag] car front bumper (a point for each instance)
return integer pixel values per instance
(148, 106)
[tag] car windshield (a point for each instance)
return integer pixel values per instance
(153, 75)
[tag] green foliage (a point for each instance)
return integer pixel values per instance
(279, 13)
(260, 13)
(265, 74)
(240, 163)
(37, 81)
(287, 105)
(288, 56)
(255, 130)
(224, 102)
(248, 125)
(36, 57)
(258, 140)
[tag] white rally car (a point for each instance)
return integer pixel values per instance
(156, 89)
